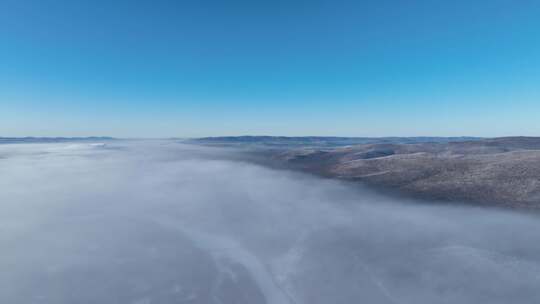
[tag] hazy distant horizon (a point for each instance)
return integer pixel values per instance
(272, 134)
(262, 135)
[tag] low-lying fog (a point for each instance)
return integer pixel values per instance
(161, 222)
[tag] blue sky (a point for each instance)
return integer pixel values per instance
(196, 68)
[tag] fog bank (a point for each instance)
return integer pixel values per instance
(159, 222)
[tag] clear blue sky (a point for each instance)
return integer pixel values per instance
(195, 68)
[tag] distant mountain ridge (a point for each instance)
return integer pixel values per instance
(501, 172)
(324, 140)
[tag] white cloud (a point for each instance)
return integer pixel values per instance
(167, 223)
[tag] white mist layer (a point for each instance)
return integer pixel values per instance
(161, 222)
